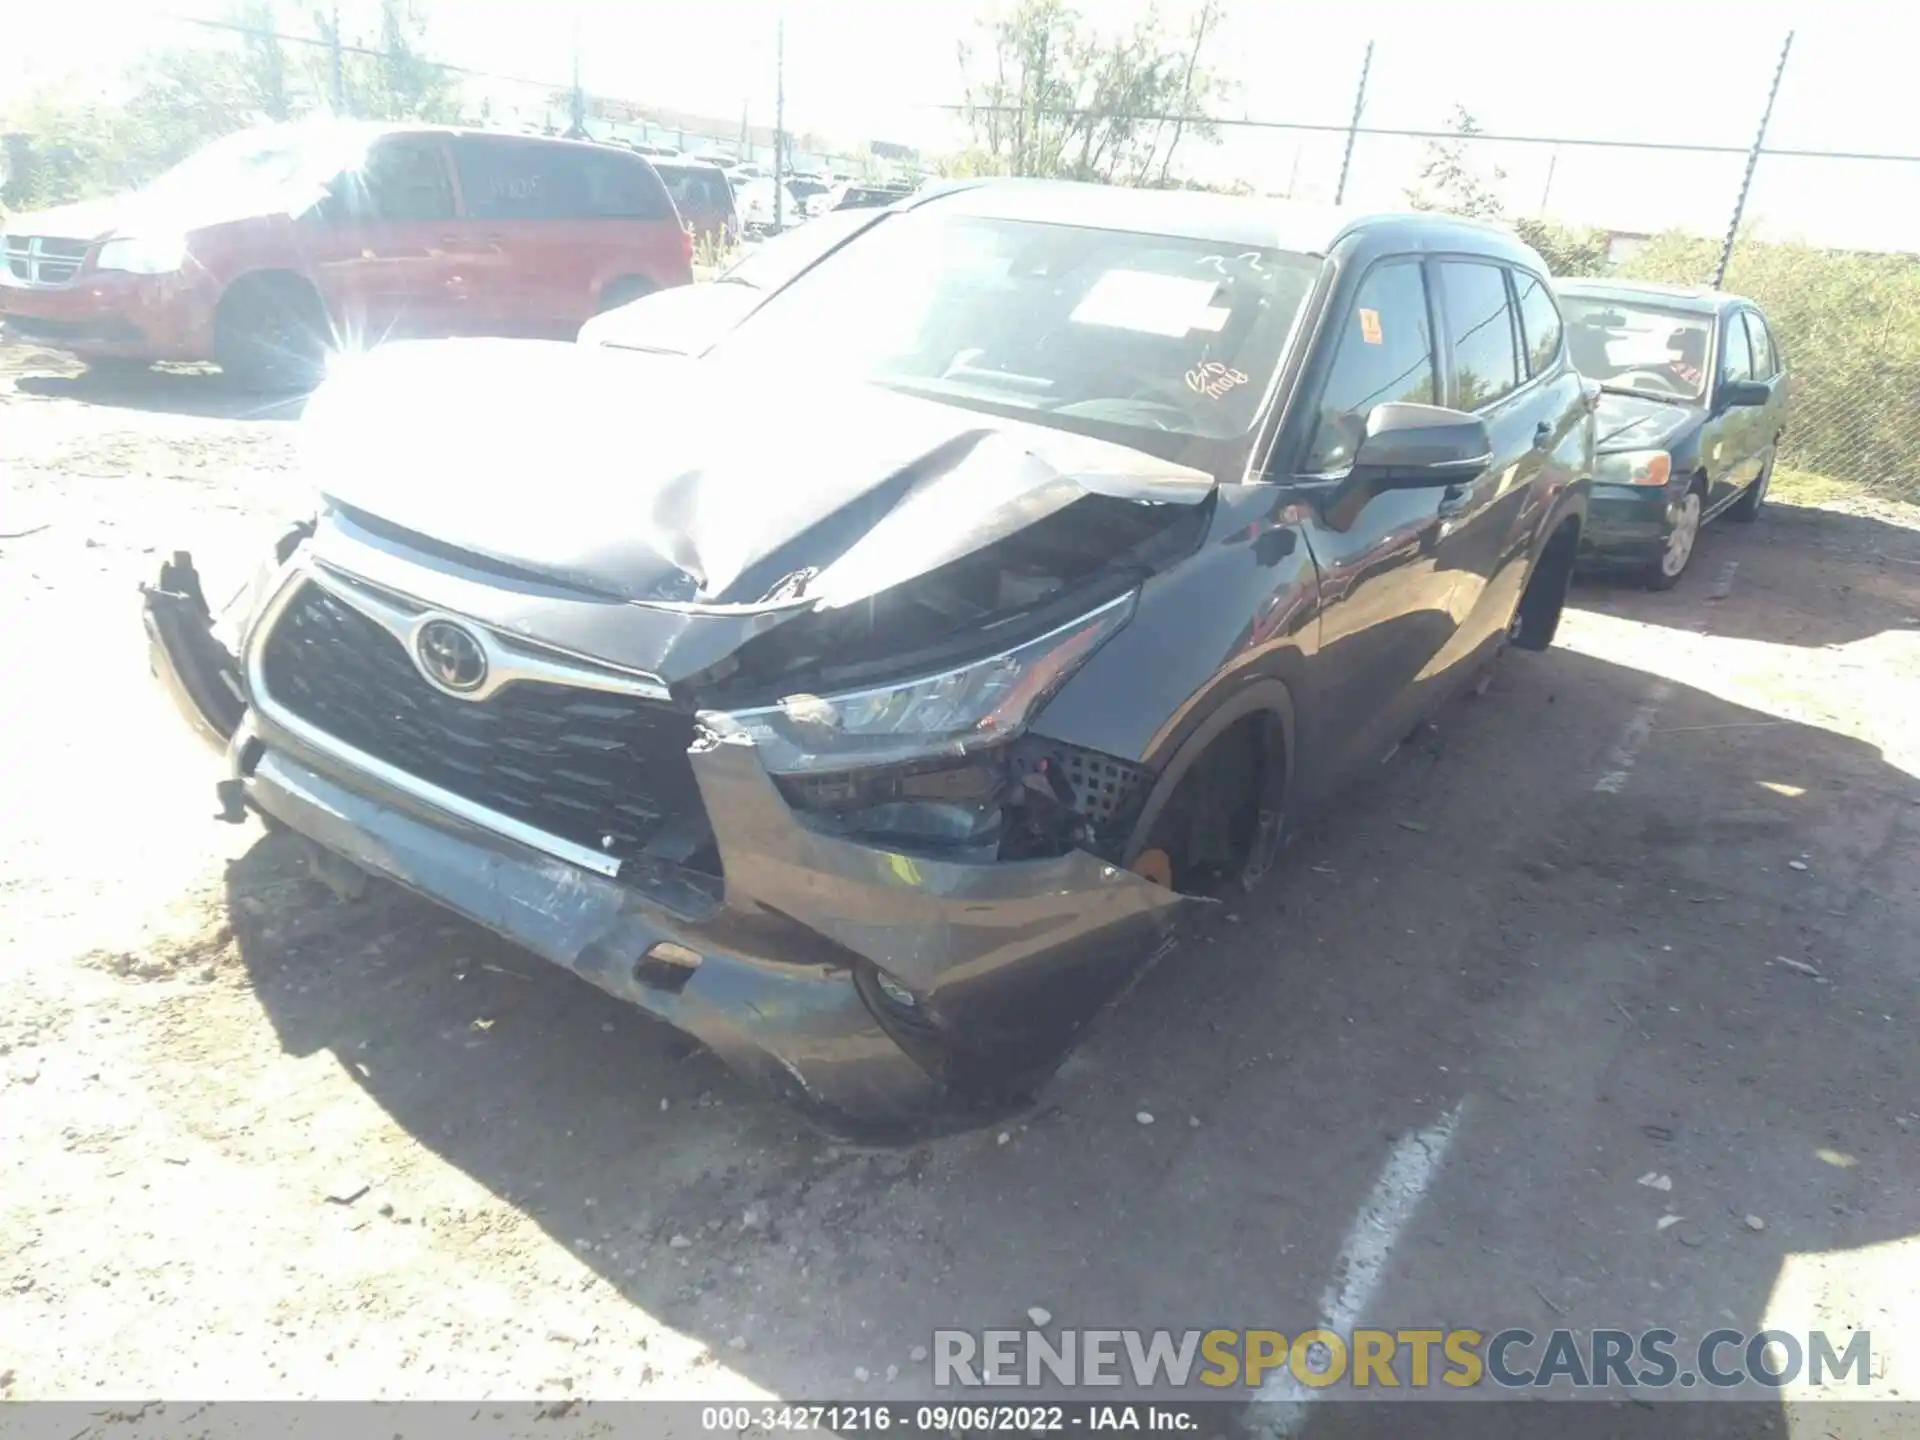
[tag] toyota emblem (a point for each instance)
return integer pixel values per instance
(450, 656)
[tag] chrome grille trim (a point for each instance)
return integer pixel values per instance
(44, 261)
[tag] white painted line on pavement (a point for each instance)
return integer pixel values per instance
(1626, 749)
(1410, 1168)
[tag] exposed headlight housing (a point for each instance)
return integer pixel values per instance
(950, 714)
(143, 254)
(1634, 467)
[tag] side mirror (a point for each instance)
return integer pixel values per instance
(1410, 447)
(1744, 392)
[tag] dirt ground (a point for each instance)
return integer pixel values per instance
(1647, 909)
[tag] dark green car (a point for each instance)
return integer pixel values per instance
(1693, 405)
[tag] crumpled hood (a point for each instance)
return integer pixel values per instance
(1632, 422)
(665, 480)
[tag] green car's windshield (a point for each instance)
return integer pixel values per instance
(1153, 340)
(1639, 349)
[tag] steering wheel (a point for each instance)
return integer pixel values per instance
(1661, 379)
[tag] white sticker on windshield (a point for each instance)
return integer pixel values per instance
(1153, 304)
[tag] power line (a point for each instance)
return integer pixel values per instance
(1455, 135)
(321, 44)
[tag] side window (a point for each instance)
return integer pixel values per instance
(614, 186)
(1765, 364)
(503, 179)
(1385, 353)
(1486, 358)
(406, 179)
(1736, 360)
(1539, 320)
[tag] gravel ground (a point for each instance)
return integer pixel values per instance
(1647, 908)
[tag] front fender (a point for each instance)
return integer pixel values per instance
(1240, 610)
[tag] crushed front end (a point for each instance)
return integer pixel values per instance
(894, 936)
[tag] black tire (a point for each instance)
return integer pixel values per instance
(1536, 619)
(1664, 572)
(1747, 508)
(272, 334)
(624, 290)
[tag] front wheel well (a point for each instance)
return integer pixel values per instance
(1216, 814)
(255, 283)
(621, 290)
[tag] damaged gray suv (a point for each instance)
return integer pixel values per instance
(862, 695)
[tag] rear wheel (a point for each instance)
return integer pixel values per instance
(1747, 508)
(620, 292)
(271, 334)
(1537, 617)
(1666, 571)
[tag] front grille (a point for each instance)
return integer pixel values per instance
(603, 770)
(39, 260)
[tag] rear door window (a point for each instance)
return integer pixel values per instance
(1765, 364)
(405, 178)
(1486, 357)
(1736, 360)
(1385, 353)
(1539, 320)
(524, 180)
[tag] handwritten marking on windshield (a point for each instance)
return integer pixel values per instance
(1214, 380)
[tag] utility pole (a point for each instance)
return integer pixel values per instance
(780, 125)
(1553, 160)
(578, 131)
(338, 76)
(1753, 159)
(1353, 126)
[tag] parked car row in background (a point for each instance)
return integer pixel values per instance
(274, 246)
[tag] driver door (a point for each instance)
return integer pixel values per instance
(1385, 581)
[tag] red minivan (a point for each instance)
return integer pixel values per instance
(273, 246)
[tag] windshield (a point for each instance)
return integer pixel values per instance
(780, 257)
(275, 160)
(1147, 339)
(1639, 350)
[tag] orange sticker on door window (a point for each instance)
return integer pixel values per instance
(1370, 326)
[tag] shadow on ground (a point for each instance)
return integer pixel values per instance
(198, 392)
(1829, 578)
(1588, 980)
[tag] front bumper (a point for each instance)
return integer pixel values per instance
(1007, 961)
(112, 315)
(1628, 525)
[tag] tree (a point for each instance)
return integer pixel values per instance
(82, 141)
(398, 82)
(1567, 249)
(1448, 182)
(263, 59)
(1051, 96)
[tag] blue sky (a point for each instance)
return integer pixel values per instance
(1630, 69)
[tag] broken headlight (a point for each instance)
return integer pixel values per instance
(949, 714)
